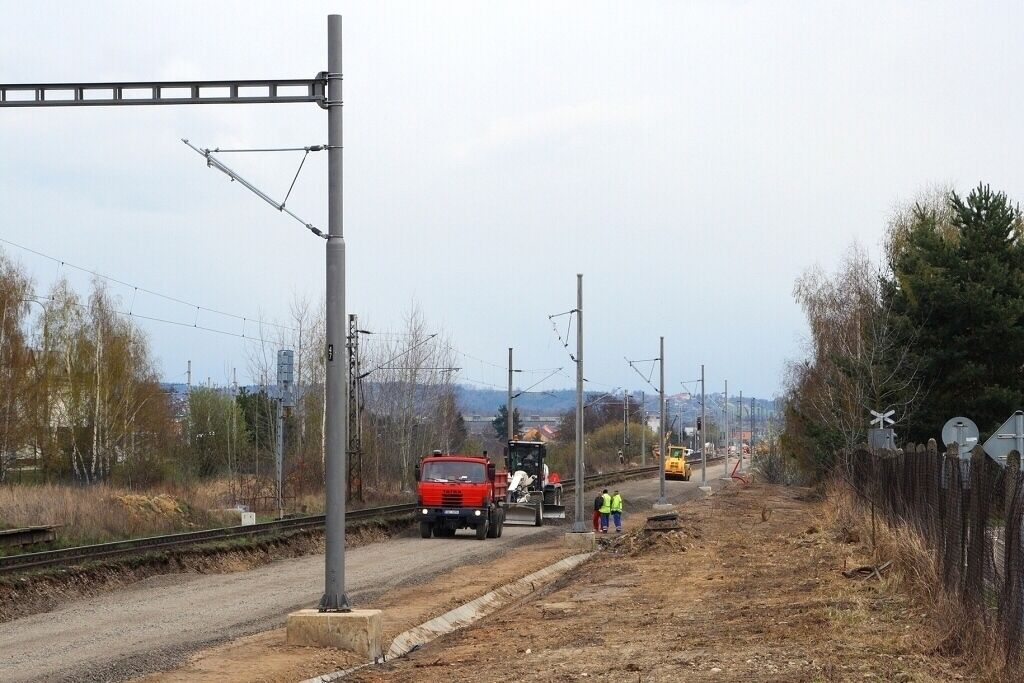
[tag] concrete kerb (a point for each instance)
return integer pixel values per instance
(463, 616)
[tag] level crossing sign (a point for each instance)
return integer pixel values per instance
(1009, 437)
(963, 432)
(883, 419)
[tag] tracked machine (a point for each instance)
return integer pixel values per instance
(534, 493)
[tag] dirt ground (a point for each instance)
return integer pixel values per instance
(264, 658)
(750, 588)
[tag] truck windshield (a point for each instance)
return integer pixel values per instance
(454, 470)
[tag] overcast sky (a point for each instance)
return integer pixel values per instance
(690, 158)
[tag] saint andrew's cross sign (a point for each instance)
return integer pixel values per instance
(882, 419)
(882, 436)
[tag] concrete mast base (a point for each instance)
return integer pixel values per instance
(358, 631)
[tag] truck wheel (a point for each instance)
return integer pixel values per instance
(482, 530)
(539, 521)
(492, 526)
(425, 529)
(501, 523)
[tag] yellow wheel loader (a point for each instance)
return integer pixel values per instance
(676, 465)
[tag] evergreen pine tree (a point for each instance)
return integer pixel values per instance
(956, 296)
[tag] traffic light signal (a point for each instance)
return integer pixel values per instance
(698, 424)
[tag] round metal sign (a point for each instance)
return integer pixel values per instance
(960, 430)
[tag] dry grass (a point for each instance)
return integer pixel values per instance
(915, 571)
(101, 513)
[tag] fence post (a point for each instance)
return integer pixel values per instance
(953, 549)
(932, 476)
(977, 517)
(1010, 481)
(1011, 610)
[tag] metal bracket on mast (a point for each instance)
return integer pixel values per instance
(214, 162)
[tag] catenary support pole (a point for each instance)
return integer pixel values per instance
(625, 420)
(578, 524)
(753, 426)
(336, 411)
(739, 440)
(725, 419)
(279, 454)
(703, 441)
(643, 430)
(661, 426)
(510, 422)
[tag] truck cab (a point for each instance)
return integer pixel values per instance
(458, 492)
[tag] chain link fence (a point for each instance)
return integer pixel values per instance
(970, 513)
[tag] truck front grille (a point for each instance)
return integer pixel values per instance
(451, 500)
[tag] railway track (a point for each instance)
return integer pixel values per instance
(138, 546)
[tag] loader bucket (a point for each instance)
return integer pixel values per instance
(524, 514)
(554, 512)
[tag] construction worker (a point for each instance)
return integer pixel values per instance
(616, 508)
(605, 510)
(598, 502)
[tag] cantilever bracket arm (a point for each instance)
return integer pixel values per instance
(214, 162)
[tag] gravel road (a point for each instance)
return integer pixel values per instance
(155, 623)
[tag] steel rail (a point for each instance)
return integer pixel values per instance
(88, 553)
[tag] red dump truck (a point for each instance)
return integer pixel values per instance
(459, 492)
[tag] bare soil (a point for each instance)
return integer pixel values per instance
(264, 658)
(750, 588)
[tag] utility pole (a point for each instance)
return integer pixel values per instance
(578, 525)
(703, 441)
(509, 410)
(355, 432)
(661, 427)
(725, 475)
(279, 454)
(188, 402)
(284, 398)
(643, 430)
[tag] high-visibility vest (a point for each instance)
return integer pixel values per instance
(617, 503)
(606, 504)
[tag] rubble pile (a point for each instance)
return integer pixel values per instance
(643, 541)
